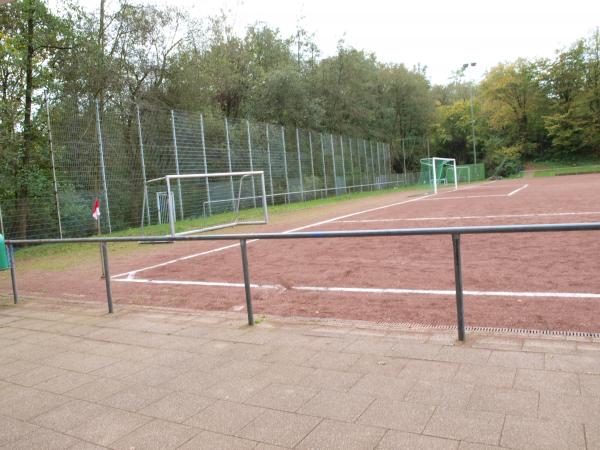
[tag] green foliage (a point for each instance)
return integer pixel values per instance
(504, 161)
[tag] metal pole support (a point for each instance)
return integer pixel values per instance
(13, 272)
(107, 277)
(460, 313)
(247, 281)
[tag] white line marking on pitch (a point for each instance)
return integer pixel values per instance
(466, 196)
(132, 273)
(501, 216)
(517, 190)
(358, 290)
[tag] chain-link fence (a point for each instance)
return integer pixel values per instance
(109, 153)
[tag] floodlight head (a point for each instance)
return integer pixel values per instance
(473, 64)
(465, 65)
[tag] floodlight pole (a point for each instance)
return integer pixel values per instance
(464, 67)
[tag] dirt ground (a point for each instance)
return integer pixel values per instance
(292, 275)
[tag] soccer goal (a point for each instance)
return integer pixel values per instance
(434, 172)
(463, 174)
(194, 203)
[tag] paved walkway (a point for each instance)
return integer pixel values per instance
(74, 377)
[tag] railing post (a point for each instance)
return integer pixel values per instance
(460, 313)
(13, 272)
(247, 281)
(107, 277)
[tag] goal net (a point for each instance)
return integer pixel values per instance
(463, 174)
(177, 205)
(435, 171)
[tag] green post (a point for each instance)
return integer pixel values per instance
(4, 263)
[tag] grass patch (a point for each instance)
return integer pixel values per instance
(573, 170)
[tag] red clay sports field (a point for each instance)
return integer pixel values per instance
(544, 281)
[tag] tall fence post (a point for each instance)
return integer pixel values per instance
(203, 141)
(460, 313)
(251, 162)
(366, 163)
(52, 163)
(312, 164)
(333, 159)
(107, 277)
(378, 151)
(229, 164)
(287, 181)
(13, 272)
(143, 161)
(269, 163)
(1, 223)
(247, 282)
(403, 160)
(343, 163)
(299, 164)
(351, 161)
(372, 164)
(177, 163)
(102, 167)
(324, 168)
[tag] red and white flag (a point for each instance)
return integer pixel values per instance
(96, 210)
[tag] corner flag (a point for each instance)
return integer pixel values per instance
(96, 210)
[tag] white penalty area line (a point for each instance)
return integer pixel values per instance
(517, 190)
(499, 216)
(132, 273)
(510, 194)
(357, 290)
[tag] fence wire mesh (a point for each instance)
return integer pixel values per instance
(108, 152)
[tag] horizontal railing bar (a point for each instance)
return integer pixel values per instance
(205, 175)
(532, 228)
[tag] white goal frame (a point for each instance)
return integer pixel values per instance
(435, 175)
(206, 176)
(468, 172)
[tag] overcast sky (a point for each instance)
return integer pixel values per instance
(441, 35)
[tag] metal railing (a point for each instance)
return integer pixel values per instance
(454, 232)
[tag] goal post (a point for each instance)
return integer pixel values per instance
(463, 174)
(434, 172)
(212, 201)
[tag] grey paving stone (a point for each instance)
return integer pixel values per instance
(69, 415)
(65, 382)
(286, 373)
(337, 405)
(414, 350)
(331, 379)
(154, 375)
(573, 363)
(109, 427)
(429, 370)
(394, 440)
(290, 355)
(486, 375)
(36, 375)
(379, 365)
(592, 436)
(43, 439)
(472, 446)
(590, 384)
(24, 403)
(225, 417)
(120, 370)
(79, 362)
(463, 355)
(207, 440)
(284, 397)
(519, 360)
(241, 369)
(496, 343)
(195, 381)
(236, 389)
(134, 397)
(440, 393)
(12, 430)
(507, 401)
(13, 368)
(534, 434)
(382, 386)
(279, 428)
(459, 424)
(332, 360)
(177, 406)
(570, 408)
(330, 434)
(549, 346)
(97, 390)
(158, 434)
(547, 381)
(398, 415)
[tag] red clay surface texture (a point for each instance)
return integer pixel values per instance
(541, 264)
